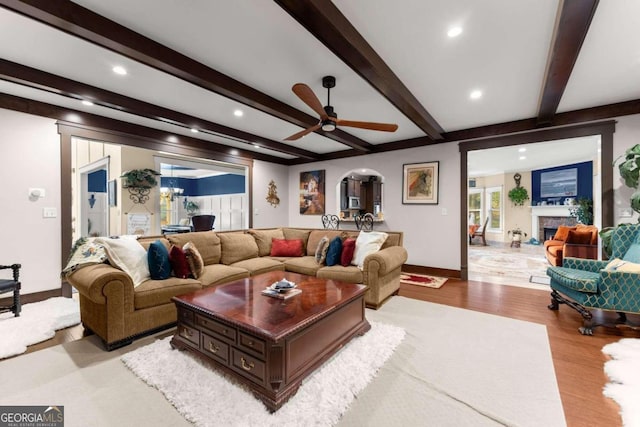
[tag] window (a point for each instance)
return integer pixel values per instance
(475, 206)
(493, 195)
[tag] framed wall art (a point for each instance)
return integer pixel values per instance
(312, 193)
(420, 183)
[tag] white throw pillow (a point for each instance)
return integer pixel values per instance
(367, 243)
(129, 256)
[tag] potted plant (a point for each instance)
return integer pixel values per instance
(582, 211)
(139, 183)
(516, 236)
(518, 195)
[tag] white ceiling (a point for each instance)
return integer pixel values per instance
(502, 51)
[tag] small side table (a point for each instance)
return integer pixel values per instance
(8, 285)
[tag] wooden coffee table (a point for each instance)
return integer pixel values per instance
(270, 344)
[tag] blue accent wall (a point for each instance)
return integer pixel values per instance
(98, 181)
(209, 186)
(585, 182)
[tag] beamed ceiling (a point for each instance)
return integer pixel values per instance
(190, 65)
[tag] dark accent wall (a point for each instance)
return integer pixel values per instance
(98, 181)
(209, 186)
(585, 181)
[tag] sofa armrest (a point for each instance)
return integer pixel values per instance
(91, 281)
(577, 250)
(386, 260)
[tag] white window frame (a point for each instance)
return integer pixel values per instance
(482, 212)
(487, 196)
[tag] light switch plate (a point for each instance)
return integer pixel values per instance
(445, 211)
(49, 212)
(626, 213)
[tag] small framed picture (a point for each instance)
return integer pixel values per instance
(420, 183)
(113, 193)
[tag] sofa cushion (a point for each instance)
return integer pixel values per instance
(263, 239)
(555, 251)
(562, 232)
(196, 264)
(393, 239)
(316, 235)
(350, 274)
(348, 248)
(259, 265)
(155, 292)
(237, 247)
(334, 252)
(146, 241)
(158, 259)
(367, 243)
(179, 263)
(321, 250)
(207, 242)
(579, 237)
(286, 248)
(295, 233)
(303, 265)
(578, 280)
(127, 255)
(591, 229)
(216, 274)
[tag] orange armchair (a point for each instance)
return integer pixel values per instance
(579, 241)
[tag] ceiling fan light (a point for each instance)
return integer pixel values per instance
(328, 125)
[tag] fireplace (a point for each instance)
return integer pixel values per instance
(549, 217)
(549, 232)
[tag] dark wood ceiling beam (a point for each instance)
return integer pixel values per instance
(572, 25)
(177, 144)
(325, 21)
(78, 21)
(42, 80)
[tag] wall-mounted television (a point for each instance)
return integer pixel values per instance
(559, 183)
(554, 185)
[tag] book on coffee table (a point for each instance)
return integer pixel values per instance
(281, 295)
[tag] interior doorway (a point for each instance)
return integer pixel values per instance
(93, 215)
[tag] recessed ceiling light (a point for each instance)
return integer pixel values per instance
(118, 69)
(238, 113)
(233, 152)
(194, 130)
(522, 150)
(475, 94)
(88, 103)
(256, 145)
(523, 157)
(454, 32)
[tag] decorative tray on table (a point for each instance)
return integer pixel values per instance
(281, 289)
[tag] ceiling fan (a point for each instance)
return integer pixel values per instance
(328, 118)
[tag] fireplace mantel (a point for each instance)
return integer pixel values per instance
(542, 211)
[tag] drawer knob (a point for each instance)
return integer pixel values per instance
(213, 348)
(224, 331)
(245, 366)
(250, 343)
(187, 333)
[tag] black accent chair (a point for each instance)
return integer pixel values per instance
(8, 285)
(331, 221)
(203, 222)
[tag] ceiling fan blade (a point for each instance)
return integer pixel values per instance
(303, 133)
(386, 127)
(307, 96)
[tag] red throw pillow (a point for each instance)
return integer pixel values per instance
(178, 261)
(579, 237)
(348, 247)
(284, 247)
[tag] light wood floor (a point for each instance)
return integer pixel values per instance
(578, 359)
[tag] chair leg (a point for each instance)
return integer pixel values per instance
(484, 242)
(17, 307)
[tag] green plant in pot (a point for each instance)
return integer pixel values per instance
(582, 211)
(516, 234)
(518, 195)
(629, 168)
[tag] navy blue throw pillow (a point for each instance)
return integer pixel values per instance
(158, 258)
(335, 249)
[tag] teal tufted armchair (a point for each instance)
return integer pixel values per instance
(584, 283)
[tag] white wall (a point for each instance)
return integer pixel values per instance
(430, 236)
(264, 214)
(626, 136)
(30, 158)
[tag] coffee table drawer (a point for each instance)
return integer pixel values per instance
(189, 334)
(248, 366)
(221, 329)
(247, 342)
(185, 316)
(215, 348)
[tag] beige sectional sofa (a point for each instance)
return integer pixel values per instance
(118, 312)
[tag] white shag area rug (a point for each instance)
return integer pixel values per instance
(624, 372)
(37, 322)
(206, 397)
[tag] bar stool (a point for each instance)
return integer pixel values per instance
(8, 285)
